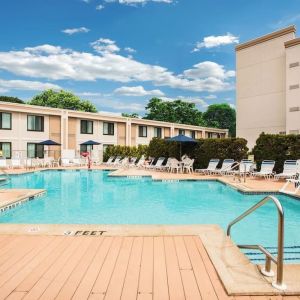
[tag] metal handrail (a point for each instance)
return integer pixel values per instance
(280, 241)
(5, 174)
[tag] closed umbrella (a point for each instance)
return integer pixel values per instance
(181, 139)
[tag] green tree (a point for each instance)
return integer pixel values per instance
(11, 99)
(221, 116)
(62, 99)
(132, 115)
(177, 111)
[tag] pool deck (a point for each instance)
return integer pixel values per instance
(132, 261)
(113, 267)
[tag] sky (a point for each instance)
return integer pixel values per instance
(121, 53)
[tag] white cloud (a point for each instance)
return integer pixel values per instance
(208, 69)
(100, 7)
(26, 85)
(86, 1)
(137, 91)
(71, 31)
(105, 46)
(196, 100)
(56, 63)
(138, 2)
(89, 94)
(287, 21)
(210, 97)
(121, 105)
(129, 50)
(216, 41)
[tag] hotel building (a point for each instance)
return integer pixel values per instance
(23, 127)
(268, 85)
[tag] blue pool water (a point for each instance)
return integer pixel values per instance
(82, 197)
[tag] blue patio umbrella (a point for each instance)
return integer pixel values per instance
(49, 143)
(90, 143)
(181, 139)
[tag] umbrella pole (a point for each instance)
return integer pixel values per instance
(180, 151)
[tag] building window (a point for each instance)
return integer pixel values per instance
(86, 127)
(35, 123)
(193, 134)
(182, 131)
(86, 148)
(5, 149)
(142, 131)
(35, 150)
(108, 128)
(157, 132)
(5, 120)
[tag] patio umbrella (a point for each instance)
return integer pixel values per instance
(90, 143)
(49, 143)
(181, 139)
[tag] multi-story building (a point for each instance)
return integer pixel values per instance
(23, 127)
(268, 85)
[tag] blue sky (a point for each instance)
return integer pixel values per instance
(121, 53)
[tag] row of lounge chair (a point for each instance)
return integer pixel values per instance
(291, 168)
(161, 164)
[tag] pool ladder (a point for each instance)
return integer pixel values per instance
(267, 271)
(6, 177)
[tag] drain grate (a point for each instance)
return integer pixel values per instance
(89, 232)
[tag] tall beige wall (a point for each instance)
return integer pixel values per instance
(293, 87)
(261, 86)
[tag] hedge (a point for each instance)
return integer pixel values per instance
(235, 148)
(277, 147)
(268, 146)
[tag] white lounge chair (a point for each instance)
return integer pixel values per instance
(124, 162)
(79, 162)
(212, 166)
(290, 169)
(109, 161)
(166, 167)
(132, 162)
(66, 162)
(266, 169)
(157, 165)
(141, 162)
(245, 168)
(226, 167)
(116, 161)
(295, 182)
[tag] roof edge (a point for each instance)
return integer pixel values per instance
(267, 37)
(292, 43)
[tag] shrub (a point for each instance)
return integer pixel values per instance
(235, 148)
(277, 147)
(203, 151)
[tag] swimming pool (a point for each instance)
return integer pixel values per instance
(92, 197)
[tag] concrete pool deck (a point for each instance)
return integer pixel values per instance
(39, 261)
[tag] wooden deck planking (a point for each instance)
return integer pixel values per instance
(127, 268)
(131, 281)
